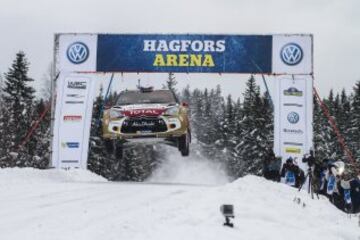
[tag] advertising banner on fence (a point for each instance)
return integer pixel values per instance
(293, 116)
(72, 121)
(268, 54)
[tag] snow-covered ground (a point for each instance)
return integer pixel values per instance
(54, 204)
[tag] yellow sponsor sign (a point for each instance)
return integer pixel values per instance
(293, 150)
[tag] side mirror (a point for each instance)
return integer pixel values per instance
(184, 104)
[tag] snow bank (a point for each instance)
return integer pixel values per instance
(32, 175)
(62, 205)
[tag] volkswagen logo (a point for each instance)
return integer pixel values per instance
(77, 52)
(293, 117)
(291, 54)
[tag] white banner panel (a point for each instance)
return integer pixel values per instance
(292, 54)
(72, 120)
(76, 52)
(293, 116)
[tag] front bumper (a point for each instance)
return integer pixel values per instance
(145, 128)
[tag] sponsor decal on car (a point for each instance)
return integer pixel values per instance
(292, 91)
(74, 102)
(293, 150)
(143, 112)
(72, 118)
(293, 131)
(70, 144)
(76, 85)
(143, 124)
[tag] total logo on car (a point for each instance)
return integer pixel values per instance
(147, 115)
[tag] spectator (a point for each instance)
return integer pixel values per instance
(272, 167)
(292, 173)
(355, 194)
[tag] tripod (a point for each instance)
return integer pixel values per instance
(310, 187)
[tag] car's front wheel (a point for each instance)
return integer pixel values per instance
(184, 144)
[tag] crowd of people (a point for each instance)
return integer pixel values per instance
(326, 177)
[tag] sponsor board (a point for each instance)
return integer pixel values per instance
(184, 53)
(72, 122)
(292, 91)
(70, 144)
(220, 53)
(77, 52)
(293, 131)
(76, 85)
(74, 102)
(294, 150)
(293, 117)
(293, 105)
(72, 118)
(70, 161)
(293, 143)
(75, 95)
(291, 54)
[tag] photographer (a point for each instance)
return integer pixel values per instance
(315, 169)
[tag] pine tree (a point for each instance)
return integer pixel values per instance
(19, 98)
(253, 124)
(355, 122)
(171, 83)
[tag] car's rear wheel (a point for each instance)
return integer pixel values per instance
(184, 144)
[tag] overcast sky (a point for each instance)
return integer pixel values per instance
(29, 25)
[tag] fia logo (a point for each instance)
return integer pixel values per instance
(77, 53)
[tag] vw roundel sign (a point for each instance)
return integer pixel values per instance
(293, 117)
(291, 54)
(77, 53)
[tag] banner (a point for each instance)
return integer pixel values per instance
(74, 102)
(289, 55)
(293, 117)
(267, 54)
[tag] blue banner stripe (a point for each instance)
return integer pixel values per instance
(184, 53)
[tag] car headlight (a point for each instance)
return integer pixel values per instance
(116, 114)
(172, 111)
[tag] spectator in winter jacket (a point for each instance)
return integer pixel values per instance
(355, 194)
(271, 168)
(290, 168)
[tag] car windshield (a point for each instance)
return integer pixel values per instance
(137, 97)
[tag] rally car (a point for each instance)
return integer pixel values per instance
(146, 114)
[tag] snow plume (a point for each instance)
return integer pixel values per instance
(193, 169)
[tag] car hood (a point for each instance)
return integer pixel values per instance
(138, 110)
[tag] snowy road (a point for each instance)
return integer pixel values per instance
(50, 204)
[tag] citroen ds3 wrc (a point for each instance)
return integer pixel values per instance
(147, 114)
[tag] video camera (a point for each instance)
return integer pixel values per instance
(227, 211)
